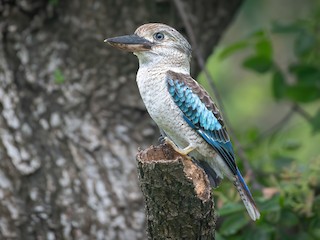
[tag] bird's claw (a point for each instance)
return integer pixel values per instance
(183, 152)
(161, 139)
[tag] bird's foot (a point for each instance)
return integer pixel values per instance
(161, 139)
(184, 151)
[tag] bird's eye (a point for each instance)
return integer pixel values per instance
(159, 36)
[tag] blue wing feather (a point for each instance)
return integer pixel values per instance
(202, 115)
(223, 149)
(195, 112)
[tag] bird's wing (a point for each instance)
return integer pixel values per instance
(200, 112)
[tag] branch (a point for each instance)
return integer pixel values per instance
(295, 108)
(200, 60)
(177, 194)
(277, 126)
(298, 109)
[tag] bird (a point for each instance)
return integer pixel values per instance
(182, 109)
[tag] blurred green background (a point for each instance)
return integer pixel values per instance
(267, 70)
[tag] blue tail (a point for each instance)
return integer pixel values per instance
(246, 196)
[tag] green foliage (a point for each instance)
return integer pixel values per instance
(228, 51)
(290, 201)
(232, 225)
(278, 85)
(305, 71)
(261, 60)
(58, 77)
(290, 210)
(54, 2)
(316, 122)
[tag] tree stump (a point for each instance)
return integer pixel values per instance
(177, 193)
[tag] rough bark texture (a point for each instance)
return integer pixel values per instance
(177, 195)
(71, 118)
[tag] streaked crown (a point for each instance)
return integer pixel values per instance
(164, 36)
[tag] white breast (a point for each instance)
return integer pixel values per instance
(162, 108)
(154, 93)
(167, 115)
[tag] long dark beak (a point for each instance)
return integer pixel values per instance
(130, 43)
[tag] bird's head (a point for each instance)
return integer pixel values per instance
(155, 42)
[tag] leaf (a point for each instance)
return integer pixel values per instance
(288, 218)
(54, 2)
(271, 205)
(278, 85)
(263, 232)
(264, 48)
(282, 161)
(302, 69)
(291, 144)
(258, 33)
(314, 227)
(306, 73)
(284, 234)
(286, 28)
(233, 224)
(307, 86)
(227, 51)
(304, 43)
(218, 236)
(303, 235)
(58, 77)
(230, 208)
(260, 64)
(315, 122)
(253, 134)
(302, 93)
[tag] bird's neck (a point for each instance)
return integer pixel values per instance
(151, 79)
(163, 64)
(163, 69)
(151, 76)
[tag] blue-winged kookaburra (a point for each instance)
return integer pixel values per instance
(181, 108)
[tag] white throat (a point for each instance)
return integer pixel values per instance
(163, 63)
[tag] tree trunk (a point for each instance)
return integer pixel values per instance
(177, 194)
(71, 118)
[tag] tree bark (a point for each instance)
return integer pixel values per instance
(177, 193)
(71, 117)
